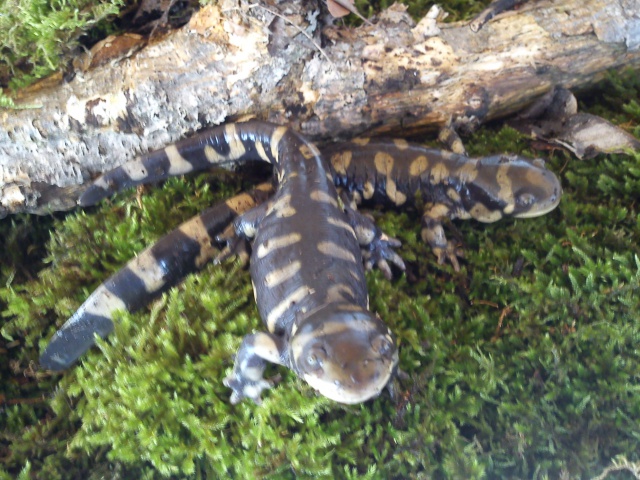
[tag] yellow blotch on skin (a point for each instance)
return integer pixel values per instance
(418, 166)
(341, 162)
(361, 141)
(439, 174)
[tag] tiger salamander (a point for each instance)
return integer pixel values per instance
(306, 269)
(450, 185)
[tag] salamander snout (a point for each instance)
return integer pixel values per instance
(349, 358)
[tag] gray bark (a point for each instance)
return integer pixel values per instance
(392, 78)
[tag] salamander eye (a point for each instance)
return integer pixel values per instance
(312, 360)
(539, 162)
(315, 358)
(526, 199)
(382, 345)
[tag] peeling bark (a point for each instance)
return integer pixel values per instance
(392, 78)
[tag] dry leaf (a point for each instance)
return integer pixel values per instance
(554, 119)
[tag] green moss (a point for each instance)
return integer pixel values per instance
(34, 34)
(6, 101)
(456, 9)
(525, 374)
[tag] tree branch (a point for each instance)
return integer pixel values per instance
(393, 78)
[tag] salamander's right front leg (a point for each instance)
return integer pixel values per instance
(433, 234)
(246, 380)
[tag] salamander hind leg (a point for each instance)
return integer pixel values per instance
(377, 247)
(236, 237)
(246, 380)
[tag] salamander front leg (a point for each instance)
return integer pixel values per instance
(246, 380)
(450, 138)
(496, 7)
(433, 234)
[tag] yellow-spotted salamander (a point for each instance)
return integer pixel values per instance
(451, 186)
(306, 268)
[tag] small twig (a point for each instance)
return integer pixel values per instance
(496, 334)
(301, 30)
(486, 302)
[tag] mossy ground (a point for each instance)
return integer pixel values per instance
(525, 364)
(36, 34)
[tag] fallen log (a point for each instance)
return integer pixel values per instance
(394, 77)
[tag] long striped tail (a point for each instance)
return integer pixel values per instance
(144, 278)
(223, 145)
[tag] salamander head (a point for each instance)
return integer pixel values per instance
(511, 186)
(347, 356)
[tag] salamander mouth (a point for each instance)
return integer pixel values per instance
(538, 212)
(352, 369)
(348, 390)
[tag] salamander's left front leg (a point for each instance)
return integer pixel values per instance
(433, 234)
(246, 380)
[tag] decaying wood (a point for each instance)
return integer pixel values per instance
(392, 78)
